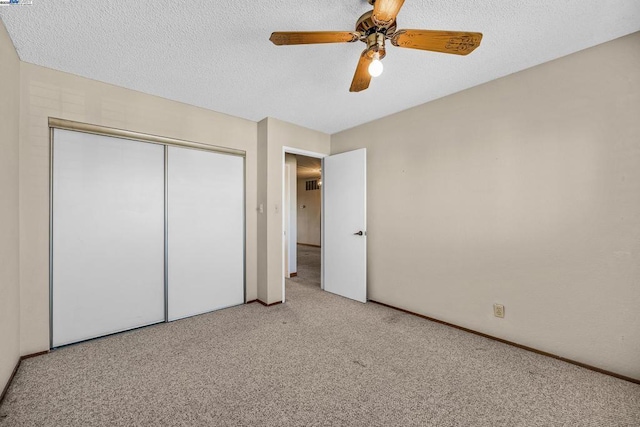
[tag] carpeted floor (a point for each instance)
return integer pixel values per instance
(308, 267)
(318, 360)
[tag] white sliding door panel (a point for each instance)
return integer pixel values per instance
(107, 235)
(205, 231)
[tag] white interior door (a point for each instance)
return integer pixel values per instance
(205, 197)
(107, 235)
(344, 186)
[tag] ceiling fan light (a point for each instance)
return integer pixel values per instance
(376, 68)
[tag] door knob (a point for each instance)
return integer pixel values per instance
(359, 233)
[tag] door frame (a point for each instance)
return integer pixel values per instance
(321, 156)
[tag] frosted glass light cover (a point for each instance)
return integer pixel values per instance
(376, 68)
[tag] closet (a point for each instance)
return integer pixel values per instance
(141, 232)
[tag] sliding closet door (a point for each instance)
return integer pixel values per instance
(108, 235)
(205, 231)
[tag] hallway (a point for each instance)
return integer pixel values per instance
(308, 266)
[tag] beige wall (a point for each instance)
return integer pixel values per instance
(9, 219)
(273, 136)
(524, 191)
(263, 140)
(309, 217)
(47, 93)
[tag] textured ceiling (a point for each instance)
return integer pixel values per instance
(217, 55)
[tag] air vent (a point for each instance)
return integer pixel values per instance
(312, 185)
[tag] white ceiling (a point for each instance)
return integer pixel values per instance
(217, 54)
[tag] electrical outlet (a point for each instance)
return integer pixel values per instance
(498, 310)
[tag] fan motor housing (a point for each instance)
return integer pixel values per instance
(373, 35)
(366, 26)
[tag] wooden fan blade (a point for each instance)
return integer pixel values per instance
(312, 37)
(385, 12)
(361, 78)
(456, 42)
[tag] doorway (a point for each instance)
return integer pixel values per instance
(343, 193)
(302, 219)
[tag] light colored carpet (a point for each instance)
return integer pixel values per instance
(318, 360)
(308, 267)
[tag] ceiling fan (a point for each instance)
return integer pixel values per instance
(374, 28)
